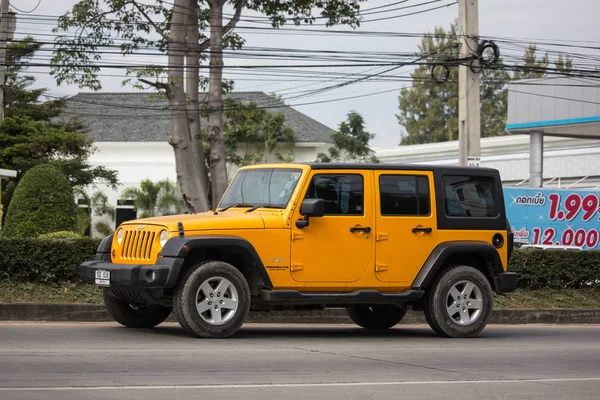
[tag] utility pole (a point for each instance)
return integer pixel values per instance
(469, 122)
(7, 28)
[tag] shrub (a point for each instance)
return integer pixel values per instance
(556, 269)
(62, 235)
(44, 260)
(42, 203)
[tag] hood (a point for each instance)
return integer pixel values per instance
(210, 221)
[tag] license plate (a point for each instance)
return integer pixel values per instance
(102, 278)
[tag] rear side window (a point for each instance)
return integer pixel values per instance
(404, 195)
(470, 196)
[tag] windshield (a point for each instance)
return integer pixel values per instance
(265, 186)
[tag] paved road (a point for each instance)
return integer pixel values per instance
(101, 360)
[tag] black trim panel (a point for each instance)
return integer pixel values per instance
(174, 248)
(290, 297)
(446, 170)
(506, 282)
(439, 255)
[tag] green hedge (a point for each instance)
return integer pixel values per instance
(556, 269)
(55, 260)
(44, 260)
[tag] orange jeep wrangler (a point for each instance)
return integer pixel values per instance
(373, 239)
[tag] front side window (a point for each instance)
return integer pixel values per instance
(343, 193)
(271, 187)
(404, 195)
(470, 196)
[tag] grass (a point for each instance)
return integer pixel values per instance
(549, 298)
(69, 292)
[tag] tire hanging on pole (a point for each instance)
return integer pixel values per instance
(440, 73)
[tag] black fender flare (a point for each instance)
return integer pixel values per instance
(176, 248)
(104, 249)
(443, 251)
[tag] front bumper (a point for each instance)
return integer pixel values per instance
(506, 282)
(163, 274)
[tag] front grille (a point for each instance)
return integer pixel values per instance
(137, 245)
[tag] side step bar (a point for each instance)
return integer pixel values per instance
(285, 297)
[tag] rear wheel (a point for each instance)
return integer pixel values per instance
(135, 315)
(376, 317)
(212, 300)
(459, 302)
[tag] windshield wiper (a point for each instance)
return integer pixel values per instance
(234, 205)
(264, 206)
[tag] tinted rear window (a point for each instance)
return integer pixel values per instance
(470, 196)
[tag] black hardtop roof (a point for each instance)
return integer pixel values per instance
(444, 169)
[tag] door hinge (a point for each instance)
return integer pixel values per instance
(380, 267)
(297, 235)
(381, 236)
(297, 267)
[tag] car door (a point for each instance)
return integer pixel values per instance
(406, 229)
(337, 247)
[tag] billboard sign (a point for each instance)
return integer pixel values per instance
(554, 217)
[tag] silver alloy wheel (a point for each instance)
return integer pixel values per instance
(217, 300)
(464, 302)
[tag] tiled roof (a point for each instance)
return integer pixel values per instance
(145, 117)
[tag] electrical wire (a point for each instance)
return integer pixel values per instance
(27, 12)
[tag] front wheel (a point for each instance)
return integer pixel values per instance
(134, 315)
(376, 317)
(212, 300)
(459, 302)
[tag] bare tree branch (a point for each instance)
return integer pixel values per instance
(158, 85)
(227, 28)
(158, 29)
(80, 31)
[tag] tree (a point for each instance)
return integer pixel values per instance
(30, 136)
(42, 203)
(429, 110)
(178, 31)
(350, 142)
(256, 133)
(97, 206)
(532, 68)
(100, 208)
(153, 199)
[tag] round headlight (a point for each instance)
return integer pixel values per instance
(163, 238)
(120, 236)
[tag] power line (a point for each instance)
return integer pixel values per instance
(27, 12)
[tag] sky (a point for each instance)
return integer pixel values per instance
(575, 20)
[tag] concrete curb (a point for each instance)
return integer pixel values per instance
(95, 313)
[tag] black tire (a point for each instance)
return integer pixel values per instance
(188, 291)
(466, 321)
(376, 317)
(495, 52)
(135, 315)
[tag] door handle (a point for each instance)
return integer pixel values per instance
(365, 230)
(424, 230)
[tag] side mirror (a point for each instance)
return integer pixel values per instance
(310, 208)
